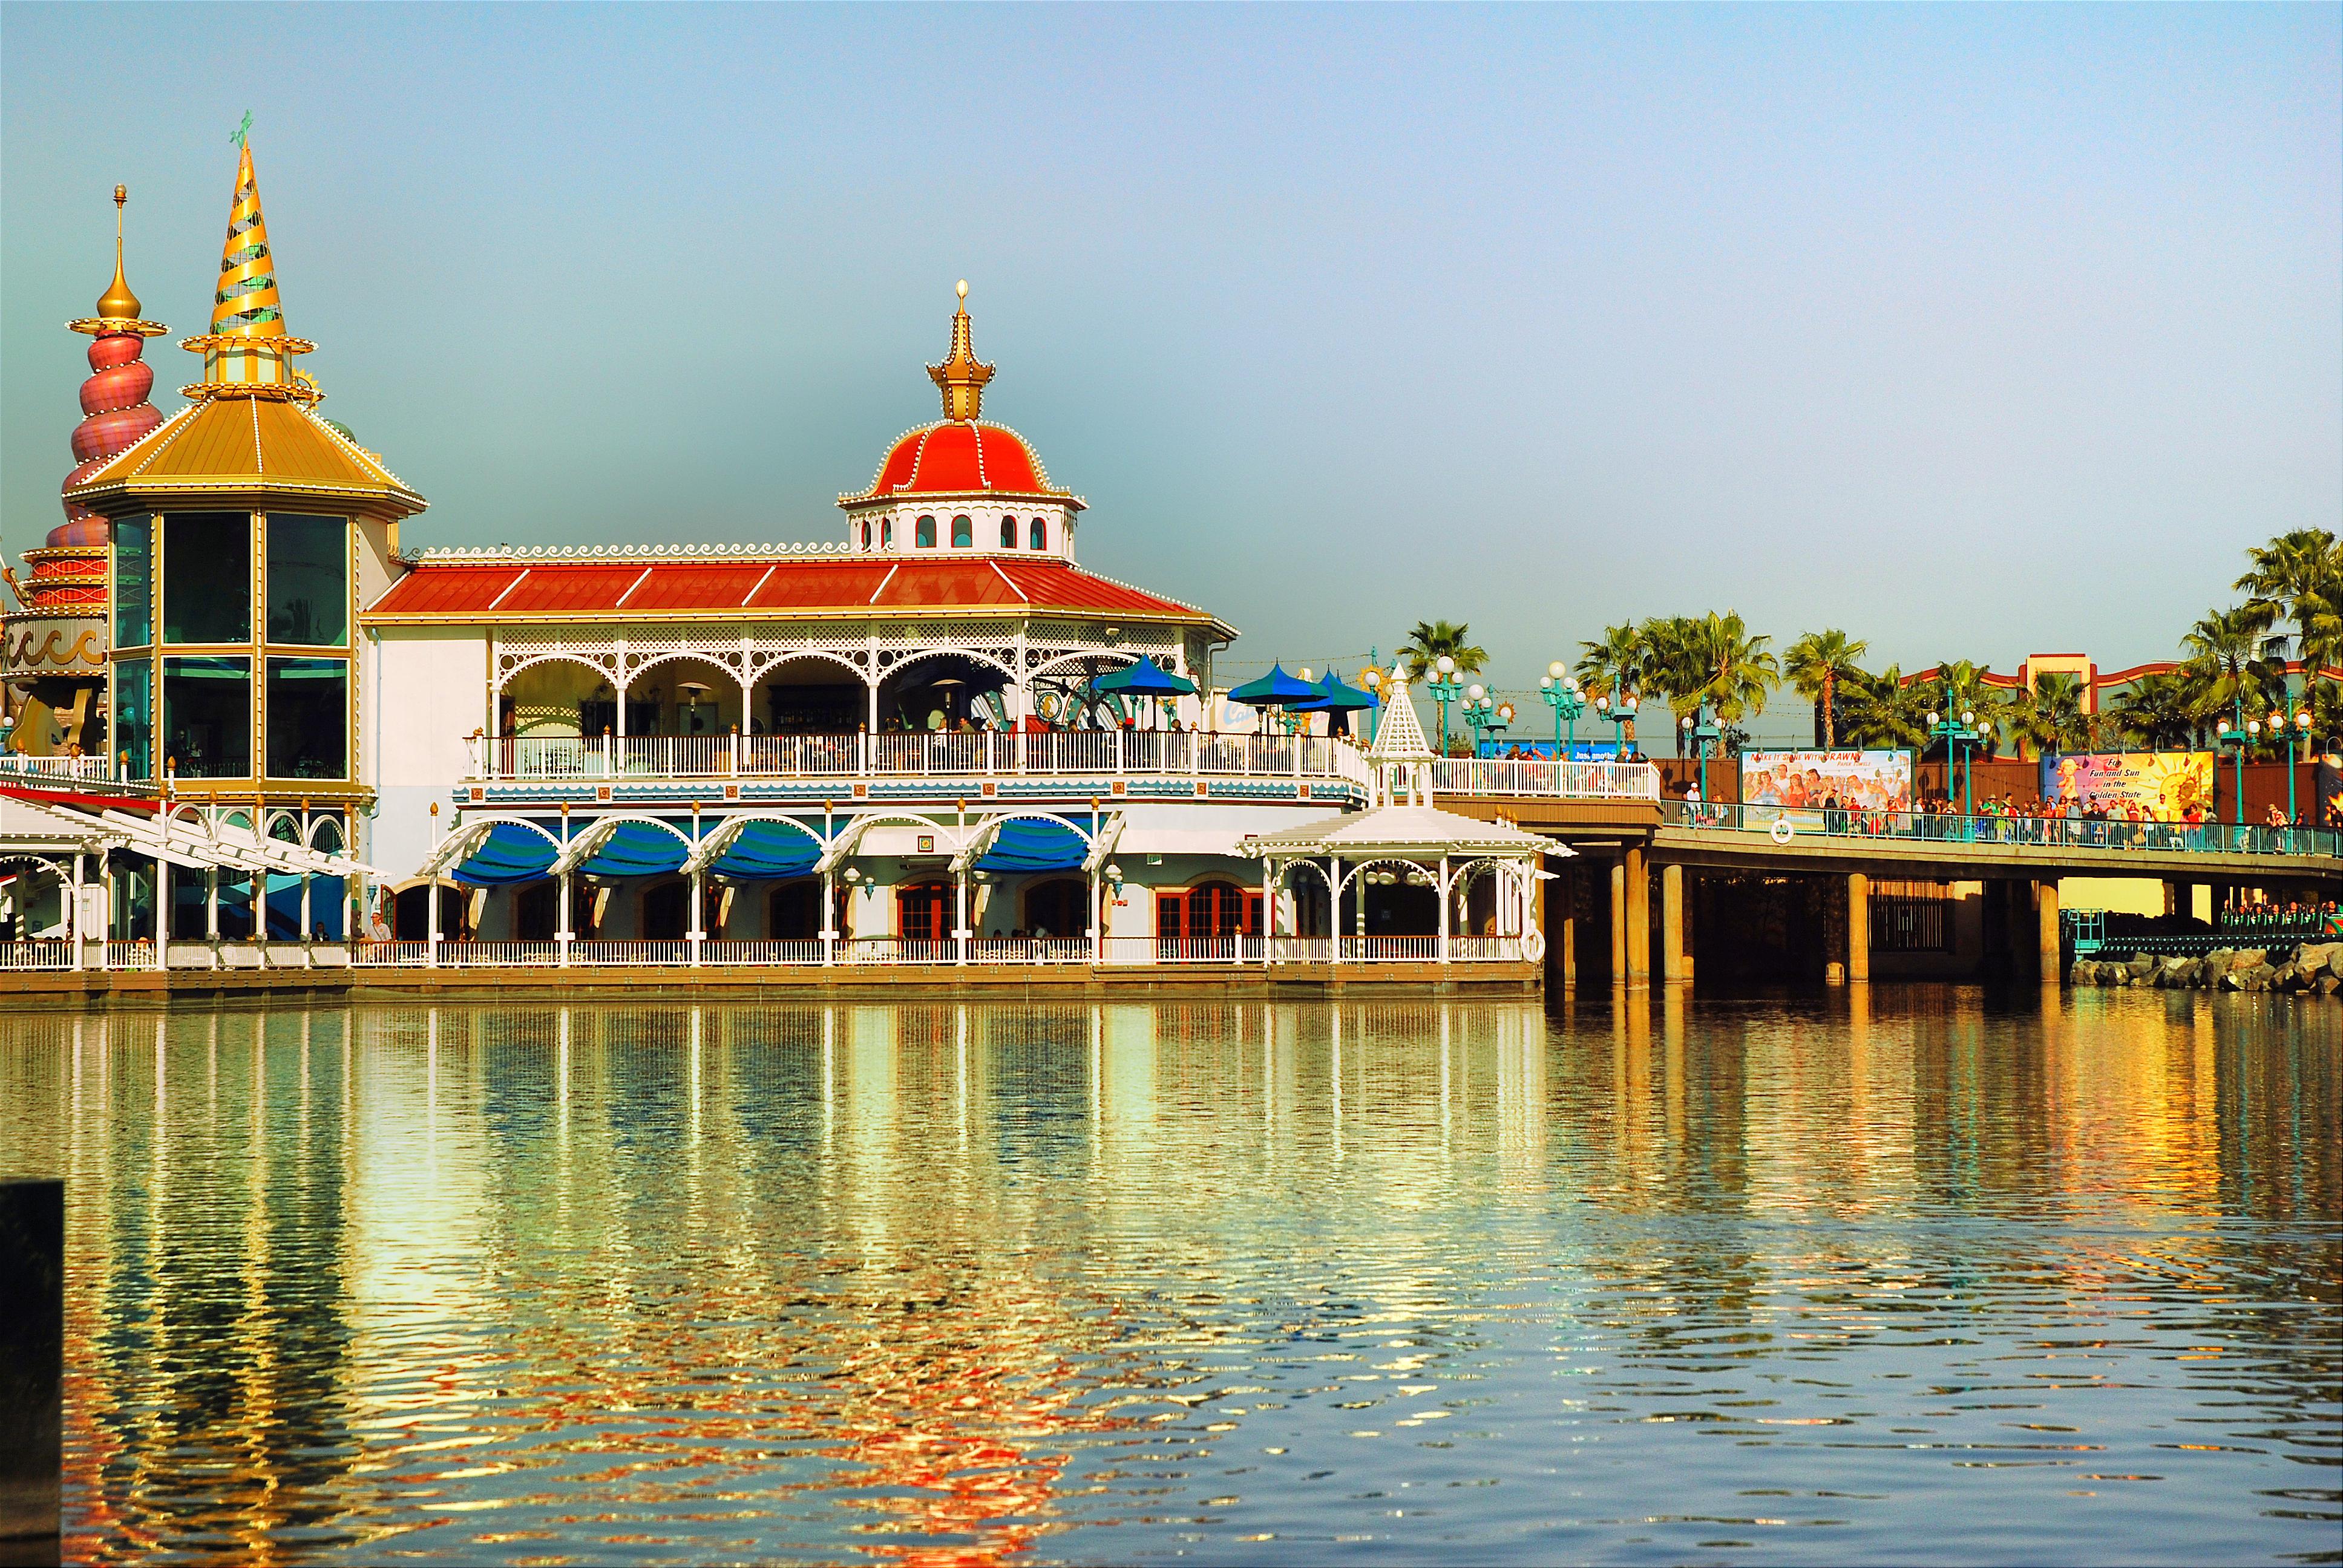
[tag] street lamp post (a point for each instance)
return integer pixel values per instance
(1373, 680)
(1485, 715)
(1696, 725)
(2237, 740)
(2277, 722)
(1960, 730)
(1620, 715)
(1560, 692)
(1445, 688)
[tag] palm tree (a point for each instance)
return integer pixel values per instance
(1814, 666)
(1960, 687)
(2299, 576)
(1738, 671)
(1428, 640)
(1883, 711)
(2048, 715)
(2155, 713)
(2230, 667)
(1671, 665)
(1613, 666)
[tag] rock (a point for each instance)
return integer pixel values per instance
(2249, 958)
(2284, 977)
(2329, 985)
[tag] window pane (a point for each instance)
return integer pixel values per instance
(308, 579)
(1009, 533)
(207, 577)
(1041, 535)
(133, 686)
(308, 719)
(134, 581)
(923, 534)
(963, 534)
(207, 717)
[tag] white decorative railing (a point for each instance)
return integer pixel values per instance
(18, 765)
(1545, 779)
(36, 953)
(984, 754)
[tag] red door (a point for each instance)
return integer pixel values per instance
(926, 912)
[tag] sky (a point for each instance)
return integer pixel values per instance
(1973, 331)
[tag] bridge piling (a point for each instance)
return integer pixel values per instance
(1638, 873)
(1671, 925)
(2046, 910)
(1858, 927)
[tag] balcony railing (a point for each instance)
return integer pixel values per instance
(84, 769)
(1545, 779)
(988, 753)
(991, 952)
(1788, 824)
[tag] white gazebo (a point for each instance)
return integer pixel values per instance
(1403, 836)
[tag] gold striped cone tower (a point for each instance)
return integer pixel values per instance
(248, 351)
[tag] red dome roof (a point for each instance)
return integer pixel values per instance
(959, 456)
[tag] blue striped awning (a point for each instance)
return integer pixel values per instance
(768, 851)
(1024, 845)
(636, 850)
(509, 854)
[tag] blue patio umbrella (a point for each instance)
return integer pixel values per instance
(1335, 695)
(1275, 689)
(1145, 679)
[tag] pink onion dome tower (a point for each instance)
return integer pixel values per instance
(53, 645)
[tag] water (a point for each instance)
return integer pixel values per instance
(1821, 1279)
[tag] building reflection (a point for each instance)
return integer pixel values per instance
(407, 1276)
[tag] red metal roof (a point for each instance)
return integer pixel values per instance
(961, 457)
(649, 587)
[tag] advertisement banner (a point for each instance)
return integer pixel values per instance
(2163, 784)
(1545, 751)
(1798, 785)
(2327, 812)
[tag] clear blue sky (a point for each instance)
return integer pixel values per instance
(1973, 331)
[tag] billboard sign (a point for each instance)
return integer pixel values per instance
(1797, 785)
(2162, 784)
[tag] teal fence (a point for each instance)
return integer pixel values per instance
(1787, 824)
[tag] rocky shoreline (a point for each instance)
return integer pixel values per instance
(2315, 967)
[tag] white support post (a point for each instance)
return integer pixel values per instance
(959, 914)
(1447, 893)
(563, 935)
(162, 912)
(431, 922)
(73, 915)
(1334, 898)
(1117, 748)
(211, 904)
(1268, 910)
(698, 933)
(1098, 926)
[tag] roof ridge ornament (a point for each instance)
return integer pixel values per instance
(248, 351)
(1399, 734)
(960, 377)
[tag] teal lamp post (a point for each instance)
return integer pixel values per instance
(2277, 723)
(1373, 681)
(1560, 692)
(2238, 740)
(1696, 726)
(1445, 688)
(1960, 731)
(1620, 715)
(1487, 716)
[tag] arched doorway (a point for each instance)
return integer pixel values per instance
(667, 911)
(410, 914)
(1058, 907)
(924, 911)
(943, 692)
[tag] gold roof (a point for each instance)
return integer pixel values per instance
(961, 378)
(244, 446)
(117, 308)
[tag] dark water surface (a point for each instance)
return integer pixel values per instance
(1923, 1274)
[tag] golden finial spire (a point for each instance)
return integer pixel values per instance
(246, 351)
(960, 378)
(117, 303)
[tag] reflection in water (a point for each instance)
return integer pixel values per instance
(1633, 1277)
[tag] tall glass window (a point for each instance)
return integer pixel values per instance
(207, 577)
(308, 580)
(308, 719)
(134, 581)
(207, 717)
(923, 534)
(963, 533)
(1041, 535)
(133, 686)
(1009, 533)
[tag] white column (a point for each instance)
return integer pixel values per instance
(562, 933)
(1334, 898)
(211, 904)
(431, 922)
(829, 919)
(1098, 926)
(162, 913)
(960, 913)
(699, 931)
(72, 917)
(1446, 893)
(1268, 910)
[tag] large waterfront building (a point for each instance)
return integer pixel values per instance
(933, 736)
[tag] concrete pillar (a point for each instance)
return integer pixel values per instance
(2046, 910)
(1619, 922)
(1639, 917)
(1564, 933)
(1858, 927)
(1671, 925)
